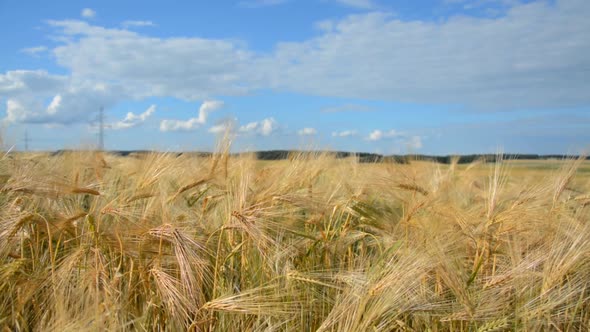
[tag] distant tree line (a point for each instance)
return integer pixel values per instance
(364, 157)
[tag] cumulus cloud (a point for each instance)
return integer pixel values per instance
(265, 127)
(34, 112)
(186, 68)
(88, 13)
(132, 120)
(414, 143)
(227, 125)
(131, 23)
(192, 123)
(400, 139)
(34, 51)
(218, 129)
(55, 104)
(479, 62)
(377, 135)
(530, 57)
(307, 132)
(493, 6)
(344, 133)
(250, 127)
(111, 65)
(39, 97)
(268, 126)
(15, 111)
(21, 83)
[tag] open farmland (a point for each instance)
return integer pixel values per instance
(92, 241)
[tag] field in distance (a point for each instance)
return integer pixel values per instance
(96, 241)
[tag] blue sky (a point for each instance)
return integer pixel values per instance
(424, 76)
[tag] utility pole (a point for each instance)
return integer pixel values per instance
(26, 140)
(101, 130)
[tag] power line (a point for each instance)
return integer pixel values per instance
(101, 130)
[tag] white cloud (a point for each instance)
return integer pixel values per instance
(470, 4)
(131, 23)
(531, 57)
(400, 139)
(28, 82)
(192, 123)
(111, 65)
(34, 51)
(265, 127)
(133, 120)
(39, 97)
(414, 143)
(344, 133)
(223, 127)
(218, 129)
(377, 135)
(15, 111)
(186, 68)
(534, 56)
(250, 127)
(88, 13)
(307, 132)
(268, 126)
(54, 105)
(363, 4)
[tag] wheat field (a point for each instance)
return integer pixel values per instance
(93, 241)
